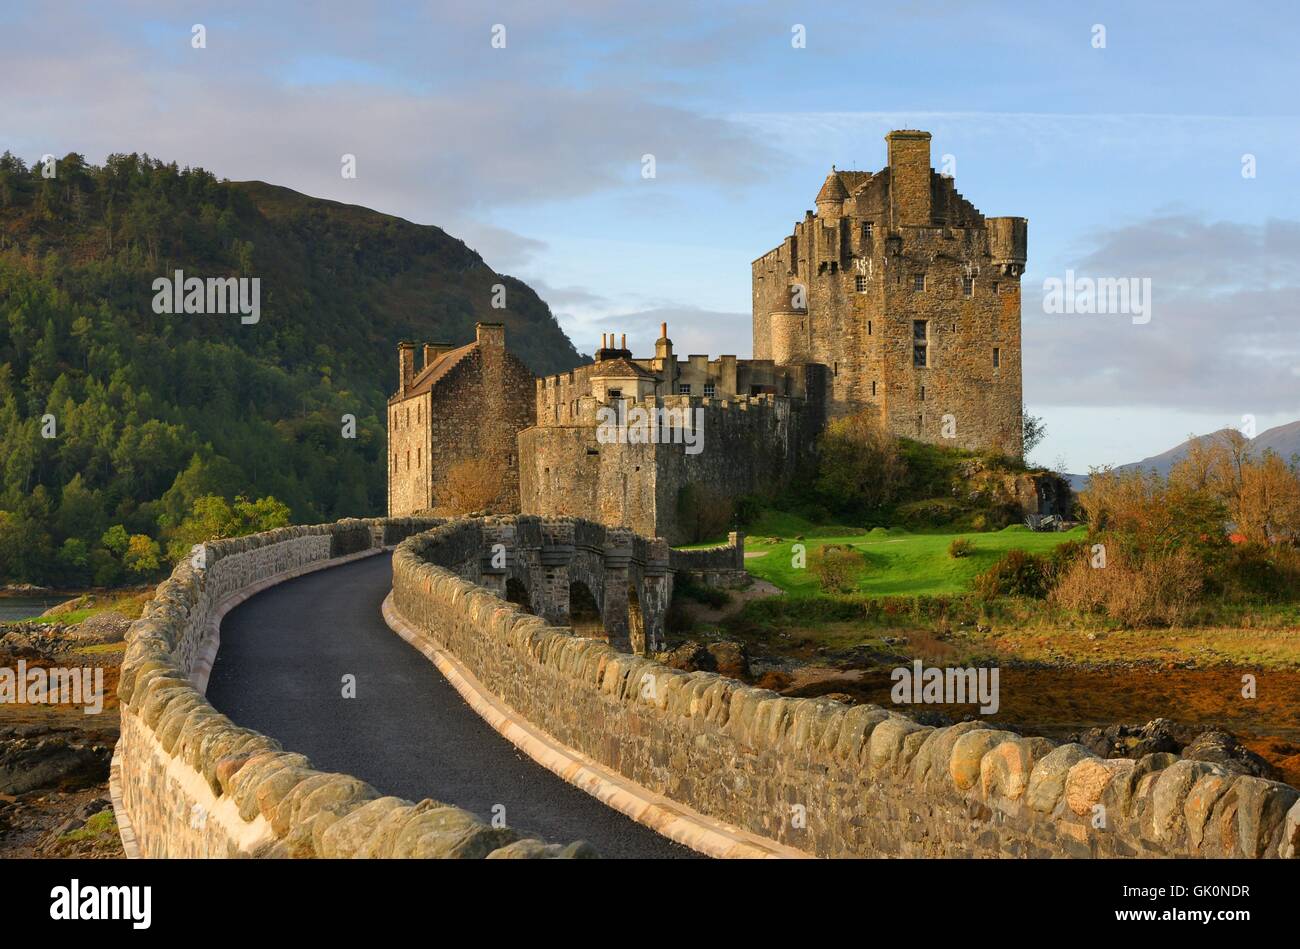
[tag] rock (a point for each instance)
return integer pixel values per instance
(1261, 807)
(1047, 780)
(728, 658)
(968, 752)
(29, 764)
(106, 627)
(1170, 795)
(1222, 748)
(1087, 782)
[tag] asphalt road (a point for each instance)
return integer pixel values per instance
(407, 732)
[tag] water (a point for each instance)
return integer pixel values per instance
(25, 607)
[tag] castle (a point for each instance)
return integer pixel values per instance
(896, 296)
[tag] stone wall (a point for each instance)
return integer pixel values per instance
(826, 778)
(748, 445)
(189, 782)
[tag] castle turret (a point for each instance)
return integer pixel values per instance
(789, 329)
(1008, 244)
(831, 198)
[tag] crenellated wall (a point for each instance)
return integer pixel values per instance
(189, 782)
(820, 776)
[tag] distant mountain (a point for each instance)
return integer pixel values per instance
(1282, 439)
(114, 414)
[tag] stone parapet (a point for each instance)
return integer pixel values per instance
(822, 777)
(189, 782)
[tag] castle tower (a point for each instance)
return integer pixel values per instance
(912, 302)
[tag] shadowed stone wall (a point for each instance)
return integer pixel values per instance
(189, 782)
(815, 774)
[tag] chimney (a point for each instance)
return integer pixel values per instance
(432, 351)
(622, 341)
(663, 330)
(604, 341)
(909, 178)
(490, 336)
(405, 366)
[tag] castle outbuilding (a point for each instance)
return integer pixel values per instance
(896, 296)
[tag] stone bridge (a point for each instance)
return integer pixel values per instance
(602, 582)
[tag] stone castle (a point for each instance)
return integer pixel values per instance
(896, 296)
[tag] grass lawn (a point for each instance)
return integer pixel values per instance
(896, 563)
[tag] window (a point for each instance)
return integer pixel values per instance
(418, 453)
(873, 387)
(868, 327)
(866, 229)
(860, 283)
(408, 416)
(997, 357)
(920, 343)
(922, 393)
(417, 413)
(710, 390)
(408, 460)
(615, 393)
(968, 286)
(683, 388)
(995, 286)
(918, 283)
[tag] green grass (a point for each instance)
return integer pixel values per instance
(896, 563)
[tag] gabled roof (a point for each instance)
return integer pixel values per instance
(620, 369)
(428, 377)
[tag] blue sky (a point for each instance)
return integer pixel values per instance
(1127, 160)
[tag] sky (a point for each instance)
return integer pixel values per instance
(1153, 141)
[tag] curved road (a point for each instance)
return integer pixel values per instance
(280, 668)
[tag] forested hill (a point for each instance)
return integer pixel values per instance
(153, 411)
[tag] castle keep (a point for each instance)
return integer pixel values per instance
(896, 296)
(908, 295)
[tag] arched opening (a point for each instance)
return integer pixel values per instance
(635, 621)
(517, 594)
(584, 614)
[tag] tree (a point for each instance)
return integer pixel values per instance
(142, 555)
(471, 485)
(1033, 429)
(860, 468)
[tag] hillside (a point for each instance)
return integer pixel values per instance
(1282, 439)
(151, 411)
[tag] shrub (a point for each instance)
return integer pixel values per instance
(1016, 573)
(837, 567)
(1162, 588)
(960, 547)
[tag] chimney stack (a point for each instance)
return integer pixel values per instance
(663, 330)
(622, 344)
(405, 366)
(909, 177)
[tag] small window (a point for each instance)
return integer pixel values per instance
(920, 343)
(616, 393)
(922, 393)
(873, 387)
(997, 357)
(418, 453)
(408, 460)
(837, 369)
(860, 283)
(866, 229)
(918, 283)
(683, 388)
(417, 413)
(868, 327)
(710, 390)
(995, 286)
(968, 286)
